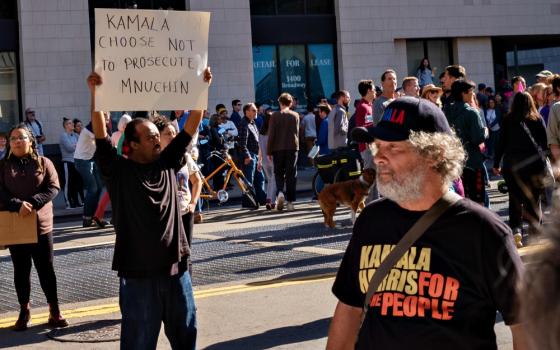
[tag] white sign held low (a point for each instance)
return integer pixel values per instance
(151, 59)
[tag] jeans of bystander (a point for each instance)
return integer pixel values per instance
(92, 184)
(256, 178)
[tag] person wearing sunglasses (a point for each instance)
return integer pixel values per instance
(236, 115)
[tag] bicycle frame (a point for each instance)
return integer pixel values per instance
(233, 170)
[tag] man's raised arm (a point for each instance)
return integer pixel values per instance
(97, 118)
(195, 116)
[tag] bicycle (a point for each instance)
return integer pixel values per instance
(222, 194)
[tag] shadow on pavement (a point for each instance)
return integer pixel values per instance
(33, 335)
(88, 332)
(63, 238)
(298, 276)
(277, 337)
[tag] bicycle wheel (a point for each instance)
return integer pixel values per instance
(249, 195)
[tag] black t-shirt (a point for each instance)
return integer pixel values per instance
(445, 291)
(150, 238)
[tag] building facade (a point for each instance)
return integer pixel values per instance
(260, 48)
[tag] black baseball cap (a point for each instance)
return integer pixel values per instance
(403, 115)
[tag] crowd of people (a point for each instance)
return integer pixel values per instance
(424, 141)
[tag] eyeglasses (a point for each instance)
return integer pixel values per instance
(18, 138)
(239, 104)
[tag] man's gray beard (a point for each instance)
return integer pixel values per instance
(405, 187)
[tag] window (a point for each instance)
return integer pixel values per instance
(320, 7)
(266, 74)
(263, 7)
(304, 71)
(293, 78)
(321, 71)
(8, 9)
(437, 51)
(530, 62)
(291, 7)
(9, 106)
(140, 4)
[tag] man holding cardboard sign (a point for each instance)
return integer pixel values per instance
(151, 248)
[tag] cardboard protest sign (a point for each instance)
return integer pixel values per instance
(15, 229)
(151, 59)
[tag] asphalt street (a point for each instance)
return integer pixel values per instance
(262, 280)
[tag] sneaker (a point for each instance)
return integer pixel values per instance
(280, 201)
(518, 239)
(290, 206)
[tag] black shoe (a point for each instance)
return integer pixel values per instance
(55, 317)
(87, 223)
(99, 222)
(22, 321)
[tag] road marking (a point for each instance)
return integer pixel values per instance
(208, 237)
(106, 309)
(319, 250)
(92, 245)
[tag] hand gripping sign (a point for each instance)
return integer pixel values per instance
(151, 59)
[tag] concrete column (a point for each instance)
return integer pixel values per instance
(475, 54)
(55, 58)
(230, 51)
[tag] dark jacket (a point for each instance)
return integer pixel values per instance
(516, 148)
(468, 125)
(235, 118)
(248, 137)
(21, 180)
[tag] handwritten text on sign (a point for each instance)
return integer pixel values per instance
(151, 59)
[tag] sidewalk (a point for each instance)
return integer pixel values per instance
(305, 177)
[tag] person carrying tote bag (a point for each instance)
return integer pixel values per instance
(29, 182)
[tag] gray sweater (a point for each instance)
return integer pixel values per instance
(338, 127)
(67, 145)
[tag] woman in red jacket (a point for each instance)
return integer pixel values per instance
(29, 182)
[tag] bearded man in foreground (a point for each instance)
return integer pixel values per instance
(445, 290)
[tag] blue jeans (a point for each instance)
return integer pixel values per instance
(146, 302)
(92, 183)
(255, 178)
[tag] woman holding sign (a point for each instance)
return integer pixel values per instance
(28, 183)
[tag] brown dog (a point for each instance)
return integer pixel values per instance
(351, 193)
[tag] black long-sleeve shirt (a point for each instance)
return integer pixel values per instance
(21, 180)
(515, 146)
(150, 240)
